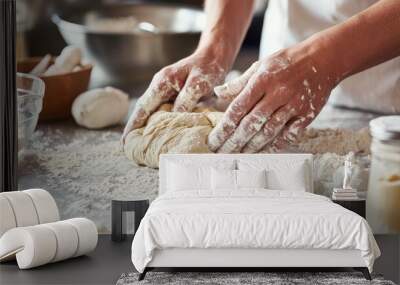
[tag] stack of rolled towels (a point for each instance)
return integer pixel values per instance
(31, 231)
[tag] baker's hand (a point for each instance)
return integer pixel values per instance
(185, 83)
(273, 101)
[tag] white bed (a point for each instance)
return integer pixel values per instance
(198, 225)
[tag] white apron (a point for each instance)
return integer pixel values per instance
(288, 22)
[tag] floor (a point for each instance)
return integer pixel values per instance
(111, 259)
(389, 262)
(103, 266)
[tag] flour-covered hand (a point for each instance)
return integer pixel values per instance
(273, 101)
(184, 83)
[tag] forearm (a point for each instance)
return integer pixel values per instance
(227, 22)
(365, 40)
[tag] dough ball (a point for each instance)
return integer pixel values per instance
(69, 58)
(170, 132)
(99, 108)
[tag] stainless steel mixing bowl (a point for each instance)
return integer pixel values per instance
(135, 55)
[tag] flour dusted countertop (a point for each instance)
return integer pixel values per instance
(84, 169)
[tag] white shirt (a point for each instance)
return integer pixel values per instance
(288, 22)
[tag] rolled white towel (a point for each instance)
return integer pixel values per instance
(67, 239)
(45, 205)
(23, 208)
(87, 233)
(26, 208)
(32, 246)
(40, 244)
(7, 218)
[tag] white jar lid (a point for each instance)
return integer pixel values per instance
(385, 128)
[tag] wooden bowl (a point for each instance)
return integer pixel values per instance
(60, 91)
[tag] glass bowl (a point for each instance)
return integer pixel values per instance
(30, 92)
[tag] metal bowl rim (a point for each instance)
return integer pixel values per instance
(67, 25)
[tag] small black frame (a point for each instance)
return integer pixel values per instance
(118, 207)
(8, 97)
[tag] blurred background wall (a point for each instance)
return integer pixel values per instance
(37, 35)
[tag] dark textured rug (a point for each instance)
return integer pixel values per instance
(243, 278)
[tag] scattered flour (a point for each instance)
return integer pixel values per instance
(339, 141)
(85, 169)
(329, 172)
(175, 132)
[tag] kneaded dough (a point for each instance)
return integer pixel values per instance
(171, 132)
(100, 108)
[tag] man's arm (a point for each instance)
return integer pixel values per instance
(227, 22)
(194, 77)
(282, 94)
(365, 40)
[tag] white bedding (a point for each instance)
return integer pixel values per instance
(252, 218)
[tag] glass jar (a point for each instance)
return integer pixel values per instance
(383, 200)
(30, 92)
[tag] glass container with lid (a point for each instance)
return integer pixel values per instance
(383, 200)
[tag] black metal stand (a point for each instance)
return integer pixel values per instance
(8, 98)
(117, 210)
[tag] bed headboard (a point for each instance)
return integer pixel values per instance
(210, 159)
